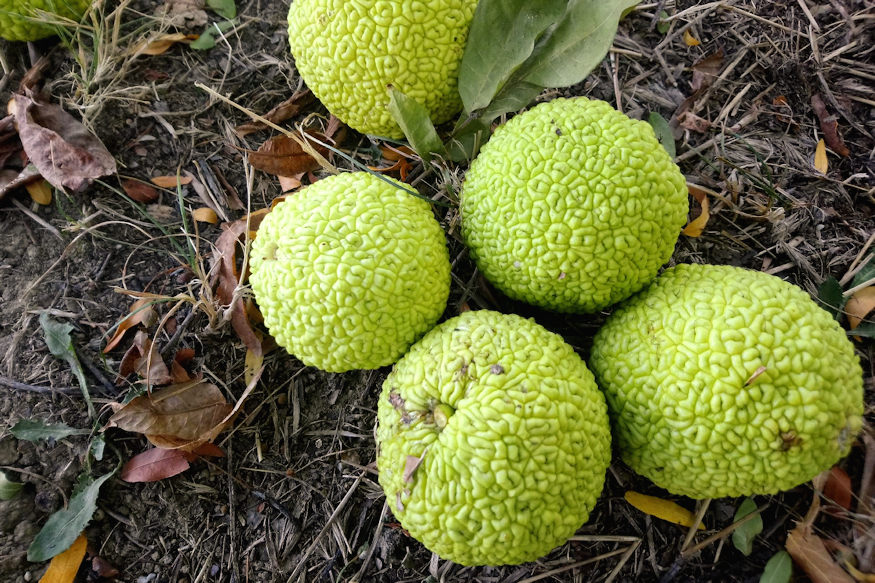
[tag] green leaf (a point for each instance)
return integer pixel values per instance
(743, 536)
(830, 295)
(663, 132)
(224, 8)
(61, 346)
(207, 40)
(663, 25)
(865, 274)
(578, 44)
(31, 430)
(8, 488)
(96, 447)
(779, 569)
(865, 330)
(416, 124)
(487, 65)
(62, 527)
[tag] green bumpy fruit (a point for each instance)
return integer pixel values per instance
(727, 382)
(350, 53)
(350, 271)
(20, 19)
(572, 206)
(493, 440)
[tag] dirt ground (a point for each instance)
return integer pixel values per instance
(297, 498)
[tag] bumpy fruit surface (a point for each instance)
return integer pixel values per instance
(20, 19)
(727, 382)
(493, 440)
(572, 206)
(349, 272)
(349, 53)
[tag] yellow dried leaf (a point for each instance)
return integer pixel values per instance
(696, 227)
(690, 40)
(170, 181)
(40, 191)
(662, 509)
(859, 305)
(821, 164)
(205, 215)
(160, 45)
(64, 566)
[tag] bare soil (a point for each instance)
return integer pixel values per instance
(296, 498)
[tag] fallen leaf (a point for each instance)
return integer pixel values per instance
(205, 215)
(177, 365)
(227, 278)
(185, 411)
(821, 164)
(706, 70)
(139, 191)
(208, 450)
(829, 125)
(40, 192)
(284, 156)
(858, 575)
(838, 488)
(393, 153)
(809, 552)
(170, 181)
(285, 110)
(64, 526)
(155, 464)
(779, 569)
(8, 488)
(401, 165)
(859, 305)
(143, 358)
(12, 179)
(141, 312)
(696, 227)
(60, 344)
(744, 535)
(411, 464)
(64, 566)
(34, 430)
(288, 183)
(690, 121)
(252, 362)
(161, 44)
(662, 509)
(63, 151)
(103, 568)
(185, 14)
(690, 40)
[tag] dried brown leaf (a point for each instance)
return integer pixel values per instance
(103, 568)
(690, 121)
(821, 162)
(706, 70)
(205, 215)
(809, 552)
(143, 358)
(838, 488)
(284, 156)
(829, 125)
(140, 191)
(184, 411)
(64, 152)
(690, 40)
(411, 464)
(289, 183)
(40, 191)
(162, 43)
(285, 110)
(860, 305)
(154, 464)
(141, 312)
(170, 181)
(64, 566)
(12, 179)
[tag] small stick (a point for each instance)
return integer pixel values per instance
(6, 382)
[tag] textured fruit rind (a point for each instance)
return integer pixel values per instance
(19, 19)
(349, 53)
(572, 206)
(521, 458)
(727, 382)
(349, 272)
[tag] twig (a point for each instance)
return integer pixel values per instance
(6, 382)
(564, 568)
(377, 532)
(723, 533)
(37, 219)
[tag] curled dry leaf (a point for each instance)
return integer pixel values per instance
(140, 191)
(690, 121)
(141, 312)
(663, 509)
(829, 125)
(40, 191)
(860, 305)
(285, 110)
(154, 464)
(690, 40)
(143, 358)
(64, 152)
(285, 156)
(696, 227)
(161, 44)
(12, 179)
